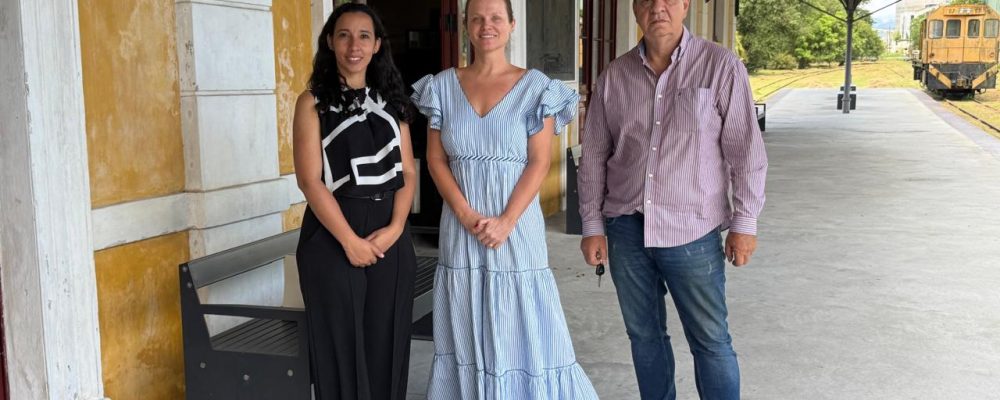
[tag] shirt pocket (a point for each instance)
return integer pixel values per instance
(694, 110)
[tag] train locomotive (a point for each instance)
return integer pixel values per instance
(959, 50)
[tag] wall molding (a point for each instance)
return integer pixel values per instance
(295, 195)
(134, 221)
(230, 4)
(125, 223)
(248, 92)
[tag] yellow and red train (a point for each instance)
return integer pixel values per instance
(959, 50)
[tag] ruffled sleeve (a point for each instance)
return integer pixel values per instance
(426, 98)
(557, 100)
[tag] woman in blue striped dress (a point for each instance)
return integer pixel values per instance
(499, 329)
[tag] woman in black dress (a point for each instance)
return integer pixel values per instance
(354, 163)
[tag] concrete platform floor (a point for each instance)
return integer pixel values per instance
(878, 269)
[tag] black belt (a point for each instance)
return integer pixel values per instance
(373, 197)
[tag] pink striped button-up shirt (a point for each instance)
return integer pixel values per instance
(672, 146)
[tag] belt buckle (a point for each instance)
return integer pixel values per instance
(378, 196)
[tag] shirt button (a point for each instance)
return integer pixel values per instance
(649, 202)
(657, 122)
(654, 149)
(650, 175)
(659, 96)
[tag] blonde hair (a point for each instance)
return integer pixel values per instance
(510, 12)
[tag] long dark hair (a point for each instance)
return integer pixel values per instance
(326, 82)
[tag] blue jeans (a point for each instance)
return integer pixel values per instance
(694, 275)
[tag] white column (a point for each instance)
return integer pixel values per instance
(229, 124)
(321, 10)
(228, 121)
(719, 10)
(689, 20)
(518, 50)
(46, 256)
(628, 29)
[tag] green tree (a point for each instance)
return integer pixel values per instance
(960, 2)
(741, 52)
(773, 30)
(867, 44)
(915, 31)
(824, 38)
(821, 42)
(768, 28)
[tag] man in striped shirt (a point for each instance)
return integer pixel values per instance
(670, 133)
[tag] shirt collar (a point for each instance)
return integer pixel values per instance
(678, 52)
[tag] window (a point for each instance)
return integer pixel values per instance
(954, 29)
(937, 29)
(992, 28)
(552, 47)
(973, 28)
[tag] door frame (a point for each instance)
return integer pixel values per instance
(599, 35)
(3, 352)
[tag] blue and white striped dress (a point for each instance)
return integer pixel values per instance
(499, 329)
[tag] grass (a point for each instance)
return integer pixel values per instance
(878, 74)
(988, 109)
(887, 73)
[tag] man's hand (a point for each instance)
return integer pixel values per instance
(739, 248)
(595, 249)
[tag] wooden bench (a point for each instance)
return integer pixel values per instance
(266, 356)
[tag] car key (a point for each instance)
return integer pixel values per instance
(599, 272)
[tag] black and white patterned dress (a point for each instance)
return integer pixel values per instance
(361, 154)
(358, 318)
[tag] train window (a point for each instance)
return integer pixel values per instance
(937, 29)
(954, 29)
(992, 28)
(973, 28)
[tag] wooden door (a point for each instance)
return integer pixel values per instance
(449, 33)
(598, 37)
(425, 40)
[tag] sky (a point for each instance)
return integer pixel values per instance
(885, 19)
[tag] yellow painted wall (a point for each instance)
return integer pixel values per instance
(139, 309)
(551, 194)
(292, 218)
(132, 99)
(293, 54)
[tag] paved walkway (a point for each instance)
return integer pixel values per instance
(878, 269)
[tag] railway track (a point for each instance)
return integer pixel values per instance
(785, 82)
(957, 106)
(894, 71)
(987, 105)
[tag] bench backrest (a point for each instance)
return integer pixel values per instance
(216, 267)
